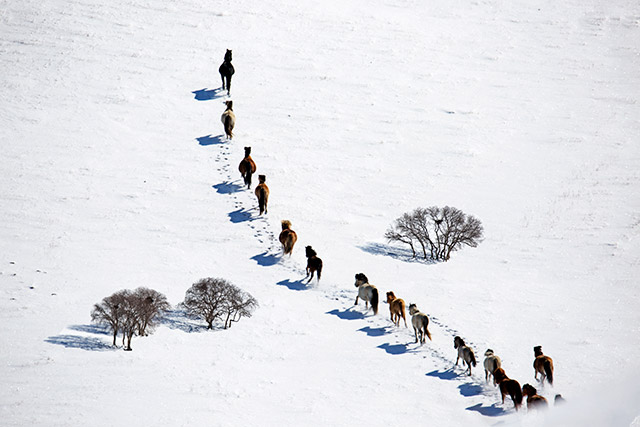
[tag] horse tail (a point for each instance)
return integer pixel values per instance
(374, 300)
(548, 370)
(262, 199)
(319, 268)
(517, 396)
(426, 328)
(228, 125)
(472, 357)
(247, 176)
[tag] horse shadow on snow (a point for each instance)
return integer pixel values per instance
(298, 285)
(227, 187)
(211, 140)
(208, 94)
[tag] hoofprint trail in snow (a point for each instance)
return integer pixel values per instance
(116, 175)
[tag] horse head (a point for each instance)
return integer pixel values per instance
(537, 350)
(458, 342)
(228, 55)
(361, 279)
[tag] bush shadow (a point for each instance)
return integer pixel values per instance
(208, 94)
(394, 252)
(178, 319)
(227, 187)
(211, 140)
(80, 342)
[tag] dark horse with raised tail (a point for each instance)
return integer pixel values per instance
(262, 193)
(314, 264)
(226, 71)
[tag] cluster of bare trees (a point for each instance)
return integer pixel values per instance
(215, 298)
(436, 232)
(138, 312)
(130, 312)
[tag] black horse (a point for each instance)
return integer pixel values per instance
(226, 71)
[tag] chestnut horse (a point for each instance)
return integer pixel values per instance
(367, 292)
(396, 309)
(543, 365)
(247, 167)
(262, 193)
(508, 387)
(287, 237)
(228, 119)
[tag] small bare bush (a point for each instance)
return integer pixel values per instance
(215, 298)
(436, 232)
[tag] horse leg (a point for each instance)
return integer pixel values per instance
(229, 85)
(222, 77)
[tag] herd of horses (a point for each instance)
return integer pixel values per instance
(542, 364)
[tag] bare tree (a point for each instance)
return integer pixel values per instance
(237, 304)
(130, 313)
(151, 305)
(438, 230)
(109, 312)
(205, 298)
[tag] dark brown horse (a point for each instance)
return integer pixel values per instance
(247, 167)
(508, 387)
(226, 71)
(262, 193)
(534, 400)
(314, 264)
(287, 237)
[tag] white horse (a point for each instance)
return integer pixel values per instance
(228, 119)
(420, 322)
(367, 292)
(491, 363)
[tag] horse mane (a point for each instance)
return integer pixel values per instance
(228, 56)
(247, 151)
(286, 224)
(229, 105)
(459, 341)
(262, 178)
(362, 277)
(310, 252)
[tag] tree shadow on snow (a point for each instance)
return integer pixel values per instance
(178, 319)
(91, 329)
(395, 252)
(241, 215)
(489, 411)
(228, 187)
(298, 285)
(211, 140)
(348, 314)
(208, 94)
(80, 342)
(265, 259)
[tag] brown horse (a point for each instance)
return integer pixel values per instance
(543, 365)
(314, 264)
(228, 119)
(508, 387)
(262, 193)
(247, 167)
(396, 309)
(287, 237)
(534, 400)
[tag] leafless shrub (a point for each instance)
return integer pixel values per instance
(215, 298)
(130, 312)
(436, 232)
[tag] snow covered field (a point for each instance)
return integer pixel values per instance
(115, 174)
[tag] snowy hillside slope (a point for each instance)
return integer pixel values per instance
(116, 175)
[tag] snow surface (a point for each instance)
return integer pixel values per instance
(115, 175)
